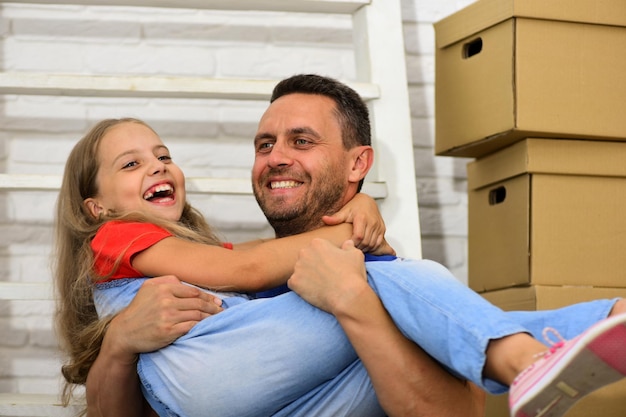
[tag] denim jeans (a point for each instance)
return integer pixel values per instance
(281, 356)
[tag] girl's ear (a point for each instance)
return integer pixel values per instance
(363, 158)
(93, 207)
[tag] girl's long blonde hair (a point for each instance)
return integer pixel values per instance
(80, 329)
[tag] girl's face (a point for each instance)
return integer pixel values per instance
(137, 174)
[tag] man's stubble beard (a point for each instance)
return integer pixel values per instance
(306, 214)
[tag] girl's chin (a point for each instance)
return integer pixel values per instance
(163, 213)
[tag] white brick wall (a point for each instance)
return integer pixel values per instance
(207, 137)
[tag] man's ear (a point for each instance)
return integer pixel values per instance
(93, 207)
(362, 161)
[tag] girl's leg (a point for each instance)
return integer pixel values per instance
(253, 359)
(548, 326)
(568, 321)
(350, 394)
(447, 319)
(457, 326)
(571, 370)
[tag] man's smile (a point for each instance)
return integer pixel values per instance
(274, 185)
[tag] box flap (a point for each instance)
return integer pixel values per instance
(549, 156)
(486, 13)
(513, 299)
(540, 297)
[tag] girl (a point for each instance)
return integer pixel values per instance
(108, 201)
(126, 199)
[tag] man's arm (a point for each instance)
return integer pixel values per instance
(113, 387)
(408, 382)
(163, 310)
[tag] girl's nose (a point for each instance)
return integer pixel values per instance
(159, 167)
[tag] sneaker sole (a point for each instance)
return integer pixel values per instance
(597, 359)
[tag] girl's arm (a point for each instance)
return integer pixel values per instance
(250, 244)
(264, 266)
(368, 226)
(259, 265)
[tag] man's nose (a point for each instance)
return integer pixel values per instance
(280, 155)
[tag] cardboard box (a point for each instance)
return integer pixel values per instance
(510, 69)
(545, 297)
(609, 401)
(548, 212)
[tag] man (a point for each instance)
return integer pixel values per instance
(310, 160)
(312, 153)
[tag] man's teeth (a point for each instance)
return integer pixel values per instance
(158, 189)
(283, 184)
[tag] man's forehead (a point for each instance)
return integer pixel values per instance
(299, 111)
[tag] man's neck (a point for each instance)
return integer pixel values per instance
(294, 227)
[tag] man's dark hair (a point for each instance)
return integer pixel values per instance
(350, 109)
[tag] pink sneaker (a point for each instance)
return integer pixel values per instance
(571, 370)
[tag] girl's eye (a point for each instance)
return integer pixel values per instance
(165, 158)
(130, 164)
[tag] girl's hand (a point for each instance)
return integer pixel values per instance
(368, 226)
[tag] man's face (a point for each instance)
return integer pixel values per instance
(301, 168)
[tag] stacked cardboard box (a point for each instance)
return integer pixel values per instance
(548, 212)
(534, 90)
(511, 69)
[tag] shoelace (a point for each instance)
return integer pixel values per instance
(551, 330)
(554, 345)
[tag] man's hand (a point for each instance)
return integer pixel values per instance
(329, 277)
(407, 381)
(163, 310)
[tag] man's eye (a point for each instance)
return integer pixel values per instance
(301, 141)
(264, 146)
